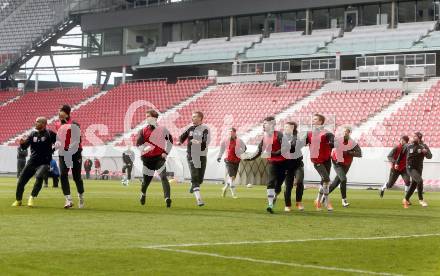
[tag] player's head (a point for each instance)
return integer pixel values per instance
(404, 140)
(40, 123)
(64, 113)
(347, 131)
(290, 128)
(269, 124)
(233, 132)
(197, 118)
(152, 116)
(417, 137)
(318, 120)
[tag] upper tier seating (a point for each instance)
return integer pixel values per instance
(288, 44)
(217, 49)
(161, 54)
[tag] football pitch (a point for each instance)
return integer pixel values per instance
(115, 235)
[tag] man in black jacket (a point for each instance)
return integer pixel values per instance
(41, 142)
(197, 149)
(128, 159)
(415, 153)
(21, 159)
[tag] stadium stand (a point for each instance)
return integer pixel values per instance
(421, 114)
(161, 54)
(376, 38)
(238, 100)
(8, 95)
(19, 116)
(214, 49)
(291, 44)
(111, 108)
(29, 22)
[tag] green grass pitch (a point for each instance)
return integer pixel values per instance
(115, 235)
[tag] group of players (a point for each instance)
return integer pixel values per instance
(282, 149)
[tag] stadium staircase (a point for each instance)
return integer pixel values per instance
(413, 91)
(166, 118)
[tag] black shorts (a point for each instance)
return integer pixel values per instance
(232, 168)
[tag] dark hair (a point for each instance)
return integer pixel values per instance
(321, 117)
(153, 113)
(233, 129)
(269, 119)
(405, 138)
(295, 126)
(419, 134)
(199, 113)
(66, 109)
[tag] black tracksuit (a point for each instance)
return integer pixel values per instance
(196, 152)
(414, 166)
(41, 144)
(76, 166)
(291, 150)
(21, 159)
(128, 158)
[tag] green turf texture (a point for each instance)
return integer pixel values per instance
(109, 236)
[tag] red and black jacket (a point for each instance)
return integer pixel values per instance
(233, 148)
(393, 157)
(158, 138)
(352, 150)
(321, 143)
(271, 143)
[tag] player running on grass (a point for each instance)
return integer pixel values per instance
(234, 147)
(41, 142)
(291, 150)
(155, 143)
(342, 157)
(270, 148)
(198, 137)
(415, 153)
(397, 168)
(321, 143)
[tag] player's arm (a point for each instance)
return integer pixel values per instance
(25, 142)
(330, 139)
(168, 142)
(140, 138)
(183, 137)
(205, 139)
(391, 155)
(356, 151)
(257, 153)
(427, 151)
(222, 151)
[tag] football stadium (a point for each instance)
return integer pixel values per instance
(207, 137)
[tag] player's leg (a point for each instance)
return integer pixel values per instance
(129, 170)
(415, 180)
(392, 178)
(149, 166)
(41, 172)
(406, 180)
(228, 178)
(65, 185)
(290, 176)
(26, 174)
(77, 178)
(299, 183)
(419, 181)
(232, 173)
(272, 169)
(161, 168)
(124, 175)
(55, 181)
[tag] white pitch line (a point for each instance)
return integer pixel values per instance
(159, 246)
(330, 268)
